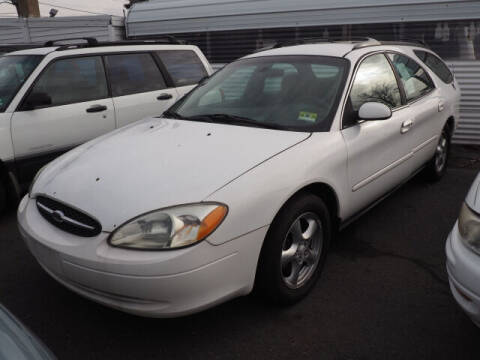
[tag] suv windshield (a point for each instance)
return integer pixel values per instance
(14, 70)
(299, 93)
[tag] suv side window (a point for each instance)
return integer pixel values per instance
(74, 80)
(133, 74)
(184, 66)
(375, 81)
(436, 65)
(415, 79)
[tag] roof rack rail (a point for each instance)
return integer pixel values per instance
(89, 40)
(92, 42)
(407, 42)
(315, 40)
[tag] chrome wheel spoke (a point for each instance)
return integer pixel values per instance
(296, 232)
(295, 273)
(288, 255)
(310, 258)
(311, 229)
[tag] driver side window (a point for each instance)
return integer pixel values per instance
(375, 82)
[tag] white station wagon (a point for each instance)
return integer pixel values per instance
(241, 183)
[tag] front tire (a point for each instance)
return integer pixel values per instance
(294, 250)
(437, 166)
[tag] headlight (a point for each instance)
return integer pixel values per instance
(35, 179)
(170, 228)
(469, 228)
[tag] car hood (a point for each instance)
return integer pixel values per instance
(157, 163)
(473, 197)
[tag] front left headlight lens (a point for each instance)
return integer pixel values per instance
(469, 228)
(170, 228)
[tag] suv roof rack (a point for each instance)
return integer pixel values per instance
(317, 40)
(92, 42)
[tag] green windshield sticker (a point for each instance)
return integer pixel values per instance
(307, 116)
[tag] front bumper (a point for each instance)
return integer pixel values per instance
(463, 268)
(147, 283)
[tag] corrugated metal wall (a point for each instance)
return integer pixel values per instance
(155, 17)
(468, 76)
(38, 30)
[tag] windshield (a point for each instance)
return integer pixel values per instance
(299, 93)
(14, 70)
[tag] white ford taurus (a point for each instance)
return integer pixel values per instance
(243, 181)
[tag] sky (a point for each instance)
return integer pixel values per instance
(82, 7)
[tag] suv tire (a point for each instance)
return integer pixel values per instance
(294, 250)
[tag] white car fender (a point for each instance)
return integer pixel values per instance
(271, 184)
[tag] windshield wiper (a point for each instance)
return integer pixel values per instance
(173, 115)
(233, 120)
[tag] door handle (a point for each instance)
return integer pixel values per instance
(96, 108)
(164, 97)
(406, 125)
(441, 106)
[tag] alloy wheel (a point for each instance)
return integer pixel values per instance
(301, 250)
(441, 153)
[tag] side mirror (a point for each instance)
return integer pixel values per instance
(374, 111)
(37, 100)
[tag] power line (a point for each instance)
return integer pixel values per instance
(72, 9)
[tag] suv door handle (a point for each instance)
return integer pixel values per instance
(164, 97)
(406, 125)
(96, 108)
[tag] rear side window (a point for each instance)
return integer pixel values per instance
(133, 74)
(436, 65)
(415, 80)
(73, 80)
(184, 66)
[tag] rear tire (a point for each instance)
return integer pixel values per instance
(437, 166)
(294, 250)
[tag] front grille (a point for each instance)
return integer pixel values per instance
(66, 218)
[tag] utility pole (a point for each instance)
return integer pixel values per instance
(27, 8)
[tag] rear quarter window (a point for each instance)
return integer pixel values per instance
(184, 66)
(435, 64)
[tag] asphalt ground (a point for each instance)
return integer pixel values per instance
(383, 295)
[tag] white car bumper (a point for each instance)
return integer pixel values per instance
(463, 268)
(147, 283)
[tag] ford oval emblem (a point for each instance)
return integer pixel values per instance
(58, 216)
